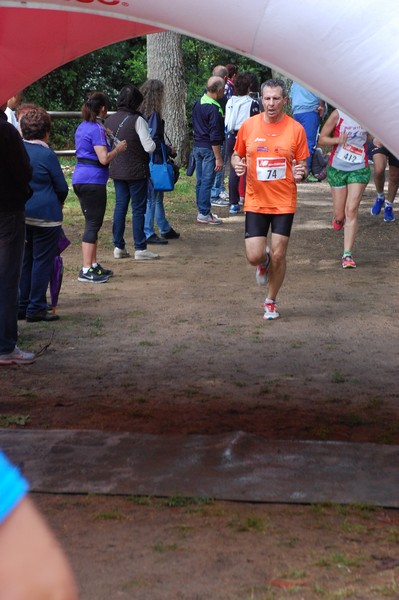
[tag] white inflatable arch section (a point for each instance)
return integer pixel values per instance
(345, 50)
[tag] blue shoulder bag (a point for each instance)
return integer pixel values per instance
(161, 174)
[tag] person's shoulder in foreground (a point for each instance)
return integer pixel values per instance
(32, 564)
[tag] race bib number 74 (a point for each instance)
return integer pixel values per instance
(271, 169)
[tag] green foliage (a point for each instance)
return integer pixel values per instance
(65, 88)
(200, 58)
(109, 68)
(7, 420)
(103, 70)
(135, 67)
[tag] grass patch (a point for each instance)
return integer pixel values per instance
(340, 560)
(389, 590)
(183, 501)
(374, 403)
(393, 535)
(160, 548)
(297, 344)
(353, 420)
(136, 313)
(141, 500)
(250, 524)
(27, 394)
(110, 515)
(179, 348)
(338, 377)
(96, 327)
(9, 420)
(357, 528)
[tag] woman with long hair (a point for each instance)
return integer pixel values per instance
(89, 179)
(151, 107)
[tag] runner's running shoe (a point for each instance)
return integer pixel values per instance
(270, 310)
(348, 262)
(377, 206)
(262, 270)
(235, 209)
(337, 224)
(389, 217)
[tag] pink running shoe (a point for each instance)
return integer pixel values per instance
(348, 262)
(263, 269)
(271, 310)
(337, 224)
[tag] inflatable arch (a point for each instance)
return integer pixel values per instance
(348, 52)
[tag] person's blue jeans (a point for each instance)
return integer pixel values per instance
(205, 173)
(234, 180)
(41, 248)
(136, 191)
(310, 121)
(155, 212)
(218, 184)
(12, 241)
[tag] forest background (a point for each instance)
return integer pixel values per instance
(182, 63)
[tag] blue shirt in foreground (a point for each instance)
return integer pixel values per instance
(13, 487)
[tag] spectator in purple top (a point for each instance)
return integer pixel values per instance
(89, 179)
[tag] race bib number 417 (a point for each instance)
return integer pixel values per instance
(351, 154)
(271, 169)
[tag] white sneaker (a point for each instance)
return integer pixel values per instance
(17, 357)
(219, 202)
(271, 310)
(145, 255)
(208, 219)
(223, 196)
(121, 253)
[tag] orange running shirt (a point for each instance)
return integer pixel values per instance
(269, 149)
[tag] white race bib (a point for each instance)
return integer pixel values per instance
(271, 169)
(351, 154)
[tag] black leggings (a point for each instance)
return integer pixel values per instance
(93, 201)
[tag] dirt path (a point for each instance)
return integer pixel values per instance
(179, 345)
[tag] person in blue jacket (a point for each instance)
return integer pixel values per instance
(43, 216)
(32, 564)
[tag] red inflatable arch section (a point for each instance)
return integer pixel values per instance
(347, 51)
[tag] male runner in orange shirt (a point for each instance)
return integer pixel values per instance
(271, 148)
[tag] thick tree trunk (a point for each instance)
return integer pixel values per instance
(165, 62)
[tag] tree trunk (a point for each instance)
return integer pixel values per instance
(165, 62)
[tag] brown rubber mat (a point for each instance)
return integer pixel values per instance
(235, 466)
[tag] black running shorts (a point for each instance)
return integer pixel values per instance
(257, 224)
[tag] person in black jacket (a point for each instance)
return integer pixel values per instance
(15, 174)
(208, 129)
(131, 172)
